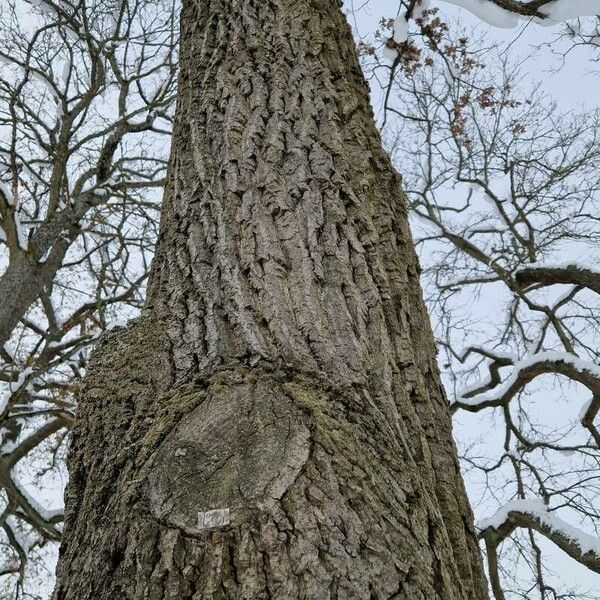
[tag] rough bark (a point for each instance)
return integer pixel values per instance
(284, 368)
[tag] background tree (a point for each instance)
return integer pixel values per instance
(86, 92)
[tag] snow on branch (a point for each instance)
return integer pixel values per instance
(45, 521)
(488, 12)
(497, 361)
(526, 370)
(29, 503)
(509, 13)
(534, 514)
(563, 10)
(486, 395)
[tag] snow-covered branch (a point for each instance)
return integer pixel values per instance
(493, 392)
(509, 13)
(534, 514)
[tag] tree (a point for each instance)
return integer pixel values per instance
(86, 96)
(273, 425)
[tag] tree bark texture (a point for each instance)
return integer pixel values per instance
(283, 374)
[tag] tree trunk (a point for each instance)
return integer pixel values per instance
(273, 426)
